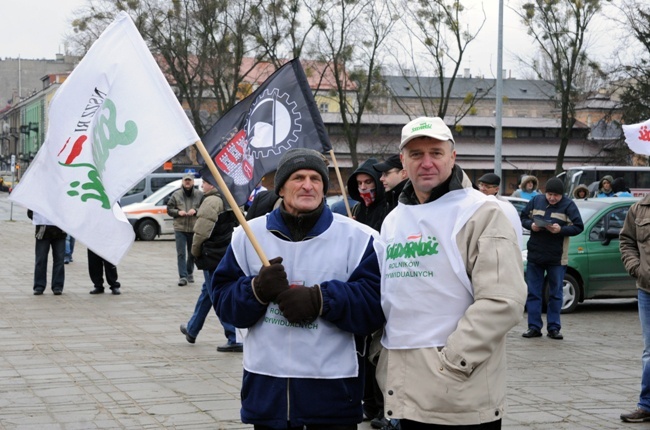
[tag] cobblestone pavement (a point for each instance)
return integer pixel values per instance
(79, 361)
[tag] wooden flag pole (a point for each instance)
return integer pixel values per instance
(231, 201)
(341, 184)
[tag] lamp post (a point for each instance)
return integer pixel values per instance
(498, 133)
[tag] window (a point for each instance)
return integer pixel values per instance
(138, 188)
(158, 183)
(613, 220)
(324, 107)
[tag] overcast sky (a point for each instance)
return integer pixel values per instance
(35, 29)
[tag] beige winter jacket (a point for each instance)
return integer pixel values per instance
(464, 383)
(635, 243)
(207, 215)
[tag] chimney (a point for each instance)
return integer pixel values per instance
(466, 74)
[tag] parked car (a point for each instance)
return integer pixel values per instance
(517, 202)
(595, 269)
(149, 185)
(149, 218)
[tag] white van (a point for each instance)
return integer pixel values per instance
(149, 218)
(148, 186)
(637, 178)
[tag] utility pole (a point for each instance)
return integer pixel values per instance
(498, 132)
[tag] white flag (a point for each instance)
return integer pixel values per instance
(112, 122)
(637, 137)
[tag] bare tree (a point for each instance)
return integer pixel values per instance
(559, 28)
(281, 30)
(206, 48)
(350, 40)
(631, 76)
(438, 36)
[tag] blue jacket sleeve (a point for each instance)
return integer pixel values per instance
(526, 220)
(232, 294)
(354, 306)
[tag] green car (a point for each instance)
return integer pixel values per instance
(595, 269)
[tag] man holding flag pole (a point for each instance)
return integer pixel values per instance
(308, 312)
(298, 316)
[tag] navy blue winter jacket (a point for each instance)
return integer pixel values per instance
(352, 306)
(545, 247)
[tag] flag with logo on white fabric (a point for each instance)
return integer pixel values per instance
(112, 122)
(637, 137)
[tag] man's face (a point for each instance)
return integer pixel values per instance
(487, 189)
(391, 178)
(206, 186)
(303, 191)
(188, 183)
(553, 198)
(428, 163)
(365, 182)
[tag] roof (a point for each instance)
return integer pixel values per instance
(599, 104)
(467, 121)
(514, 89)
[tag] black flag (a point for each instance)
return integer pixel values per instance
(247, 142)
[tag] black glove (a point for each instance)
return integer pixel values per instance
(301, 304)
(271, 281)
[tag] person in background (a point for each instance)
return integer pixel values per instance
(393, 177)
(96, 267)
(552, 220)
(48, 236)
(620, 189)
(581, 192)
(635, 253)
(308, 312)
(213, 229)
(364, 187)
(527, 189)
(69, 249)
(605, 187)
(258, 188)
(182, 206)
(448, 304)
(489, 184)
(264, 202)
(339, 206)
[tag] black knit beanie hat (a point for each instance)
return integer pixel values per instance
(554, 185)
(300, 158)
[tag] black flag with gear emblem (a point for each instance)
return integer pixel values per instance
(247, 142)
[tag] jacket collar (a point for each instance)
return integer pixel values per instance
(276, 224)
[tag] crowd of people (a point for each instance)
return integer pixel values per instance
(396, 314)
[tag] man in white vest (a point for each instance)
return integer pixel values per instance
(307, 312)
(452, 286)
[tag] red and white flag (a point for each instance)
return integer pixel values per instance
(637, 137)
(112, 122)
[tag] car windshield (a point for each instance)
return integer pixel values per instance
(586, 212)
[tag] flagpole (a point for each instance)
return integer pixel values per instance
(338, 175)
(231, 201)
